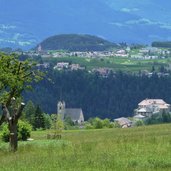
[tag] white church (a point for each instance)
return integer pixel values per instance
(76, 114)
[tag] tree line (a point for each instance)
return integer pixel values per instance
(105, 97)
(165, 44)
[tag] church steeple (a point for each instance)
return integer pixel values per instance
(61, 109)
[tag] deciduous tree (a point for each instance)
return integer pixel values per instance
(15, 77)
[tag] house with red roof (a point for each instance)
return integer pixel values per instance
(148, 107)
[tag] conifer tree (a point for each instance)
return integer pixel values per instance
(39, 120)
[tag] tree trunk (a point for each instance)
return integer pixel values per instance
(13, 136)
(12, 124)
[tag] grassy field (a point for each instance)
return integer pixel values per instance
(115, 63)
(134, 149)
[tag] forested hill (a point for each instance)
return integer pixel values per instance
(112, 97)
(76, 42)
(166, 44)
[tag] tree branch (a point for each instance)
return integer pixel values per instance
(11, 95)
(19, 67)
(5, 114)
(19, 112)
(25, 76)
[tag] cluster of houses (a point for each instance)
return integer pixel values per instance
(142, 53)
(68, 66)
(146, 109)
(87, 54)
(148, 53)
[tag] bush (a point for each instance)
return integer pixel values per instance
(24, 131)
(106, 123)
(154, 119)
(139, 123)
(88, 126)
(5, 133)
(111, 125)
(97, 123)
(116, 125)
(48, 121)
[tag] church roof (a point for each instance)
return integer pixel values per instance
(73, 113)
(152, 101)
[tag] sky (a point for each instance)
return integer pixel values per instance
(25, 23)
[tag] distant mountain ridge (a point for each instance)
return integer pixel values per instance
(76, 42)
(24, 23)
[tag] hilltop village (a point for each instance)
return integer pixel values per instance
(146, 59)
(133, 59)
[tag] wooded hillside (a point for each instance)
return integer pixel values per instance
(76, 42)
(112, 97)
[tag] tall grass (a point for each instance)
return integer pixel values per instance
(144, 148)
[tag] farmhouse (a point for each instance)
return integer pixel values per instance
(123, 122)
(76, 114)
(148, 107)
(61, 65)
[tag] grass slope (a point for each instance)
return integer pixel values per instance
(143, 148)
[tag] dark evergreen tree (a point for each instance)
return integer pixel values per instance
(29, 112)
(39, 120)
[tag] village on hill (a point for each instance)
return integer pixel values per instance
(142, 58)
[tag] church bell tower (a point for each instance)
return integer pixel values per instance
(61, 109)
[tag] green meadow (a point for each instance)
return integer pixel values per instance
(146, 148)
(115, 63)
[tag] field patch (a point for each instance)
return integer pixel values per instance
(143, 148)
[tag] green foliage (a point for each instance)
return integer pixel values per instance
(97, 123)
(39, 119)
(166, 117)
(60, 123)
(15, 76)
(35, 116)
(57, 123)
(139, 123)
(68, 121)
(54, 121)
(29, 112)
(106, 123)
(159, 118)
(5, 133)
(88, 126)
(24, 131)
(48, 121)
(116, 125)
